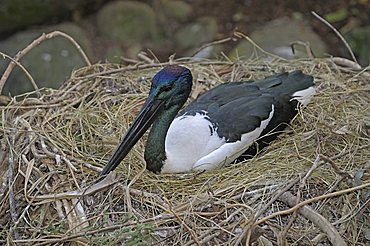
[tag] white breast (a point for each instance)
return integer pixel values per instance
(188, 139)
(192, 143)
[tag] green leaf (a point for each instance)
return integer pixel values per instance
(339, 15)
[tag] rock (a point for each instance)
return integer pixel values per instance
(195, 34)
(77, 33)
(18, 14)
(359, 40)
(175, 9)
(275, 37)
(114, 54)
(134, 50)
(49, 63)
(212, 51)
(127, 21)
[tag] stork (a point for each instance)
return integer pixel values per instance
(220, 126)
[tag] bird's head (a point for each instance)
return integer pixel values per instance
(172, 84)
(170, 88)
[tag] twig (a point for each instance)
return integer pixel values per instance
(80, 234)
(34, 43)
(191, 232)
(130, 60)
(242, 35)
(366, 146)
(345, 62)
(316, 218)
(108, 181)
(156, 60)
(282, 235)
(342, 220)
(335, 166)
(314, 199)
(26, 209)
(317, 239)
(335, 185)
(209, 237)
(35, 87)
(12, 206)
(315, 165)
(306, 45)
(363, 72)
(143, 56)
(284, 232)
(184, 61)
(338, 34)
(50, 241)
(248, 229)
(134, 179)
(253, 192)
(221, 41)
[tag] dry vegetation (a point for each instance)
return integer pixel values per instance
(309, 186)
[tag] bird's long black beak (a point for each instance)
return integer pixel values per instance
(148, 113)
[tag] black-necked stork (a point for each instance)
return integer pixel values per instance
(216, 128)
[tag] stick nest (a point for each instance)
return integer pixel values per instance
(54, 145)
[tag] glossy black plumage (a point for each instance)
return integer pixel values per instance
(230, 112)
(239, 107)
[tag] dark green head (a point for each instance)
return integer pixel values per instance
(170, 89)
(172, 84)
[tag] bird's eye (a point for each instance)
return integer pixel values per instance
(166, 88)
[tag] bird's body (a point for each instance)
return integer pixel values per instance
(216, 128)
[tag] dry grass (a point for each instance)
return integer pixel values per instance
(53, 147)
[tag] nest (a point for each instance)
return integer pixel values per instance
(308, 186)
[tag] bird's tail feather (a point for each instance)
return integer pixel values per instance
(297, 85)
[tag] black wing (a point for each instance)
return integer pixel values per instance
(239, 107)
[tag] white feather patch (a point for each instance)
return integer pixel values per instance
(188, 139)
(304, 96)
(228, 152)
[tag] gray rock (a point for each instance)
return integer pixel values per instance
(212, 51)
(134, 50)
(127, 21)
(275, 37)
(175, 9)
(17, 14)
(49, 63)
(114, 54)
(193, 35)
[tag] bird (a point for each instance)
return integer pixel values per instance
(218, 127)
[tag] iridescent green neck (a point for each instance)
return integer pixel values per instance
(155, 153)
